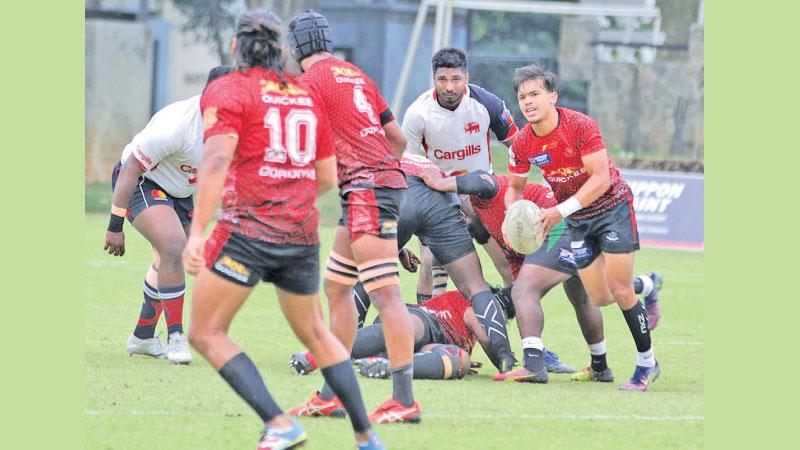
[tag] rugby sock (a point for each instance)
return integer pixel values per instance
(362, 301)
(369, 341)
(643, 285)
(487, 310)
(326, 393)
(428, 366)
(422, 298)
(636, 318)
(401, 384)
(532, 348)
(242, 375)
(439, 280)
(150, 313)
(598, 352)
(342, 380)
(172, 298)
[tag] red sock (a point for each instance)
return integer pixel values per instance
(172, 301)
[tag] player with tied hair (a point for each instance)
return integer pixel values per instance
(153, 185)
(371, 187)
(593, 198)
(268, 154)
(536, 274)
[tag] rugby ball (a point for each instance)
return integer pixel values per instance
(519, 229)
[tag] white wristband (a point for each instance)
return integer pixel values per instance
(568, 206)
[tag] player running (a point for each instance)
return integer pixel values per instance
(593, 198)
(268, 154)
(536, 274)
(153, 185)
(371, 187)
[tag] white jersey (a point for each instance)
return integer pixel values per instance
(458, 141)
(170, 147)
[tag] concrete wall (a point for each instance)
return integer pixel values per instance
(119, 70)
(655, 108)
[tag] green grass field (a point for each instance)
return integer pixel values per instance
(141, 403)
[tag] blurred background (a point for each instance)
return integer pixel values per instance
(636, 66)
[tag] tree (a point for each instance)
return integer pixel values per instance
(210, 21)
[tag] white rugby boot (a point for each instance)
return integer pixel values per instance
(148, 347)
(178, 349)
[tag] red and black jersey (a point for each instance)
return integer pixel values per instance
(270, 189)
(492, 212)
(558, 156)
(357, 112)
(449, 309)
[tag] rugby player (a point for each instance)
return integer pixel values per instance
(596, 202)
(268, 154)
(153, 185)
(536, 274)
(371, 186)
(453, 123)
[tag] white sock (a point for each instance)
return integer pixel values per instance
(598, 348)
(646, 359)
(532, 342)
(647, 285)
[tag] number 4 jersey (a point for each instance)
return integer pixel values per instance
(270, 188)
(357, 113)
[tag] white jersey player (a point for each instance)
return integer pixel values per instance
(153, 186)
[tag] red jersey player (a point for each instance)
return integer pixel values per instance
(596, 203)
(268, 153)
(371, 187)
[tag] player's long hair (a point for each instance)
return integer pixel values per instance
(259, 43)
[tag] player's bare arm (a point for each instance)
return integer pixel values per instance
(126, 183)
(395, 137)
(434, 179)
(326, 174)
(516, 185)
(599, 181)
(217, 156)
(471, 321)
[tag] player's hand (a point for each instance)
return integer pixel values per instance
(474, 366)
(193, 260)
(547, 220)
(409, 260)
(431, 177)
(115, 243)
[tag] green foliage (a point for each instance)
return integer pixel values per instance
(210, 22)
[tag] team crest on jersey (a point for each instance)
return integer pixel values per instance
(541, 159)
(268, 86)
(472, 127)
(209, 117)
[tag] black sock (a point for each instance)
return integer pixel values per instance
(428, 366)
(636, 318)
(342, 380)
(401, 384)
(150, 313)
(493, 321)
(599, 363)
(369, 341)
(242, 375)
(533, 359)
(362, 301)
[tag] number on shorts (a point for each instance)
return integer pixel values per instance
(301, 148)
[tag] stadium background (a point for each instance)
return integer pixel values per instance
(140, 56)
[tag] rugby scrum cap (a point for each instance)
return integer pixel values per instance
(311, 33)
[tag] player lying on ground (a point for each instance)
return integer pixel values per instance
(258, 166)
(153, 186)
(593, 198)
(536, 274)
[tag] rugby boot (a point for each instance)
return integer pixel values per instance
(272, 439)
(317, 407)
(303, 362)
(178, 349)
(153, 346)
(554, 365)
(392, 411)
(641, 379)
(374, 443)
(374, 367)
(523, 375)
(651, 301)
(587, 374)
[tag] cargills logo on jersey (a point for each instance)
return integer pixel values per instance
(457, 154)
(291, 95)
